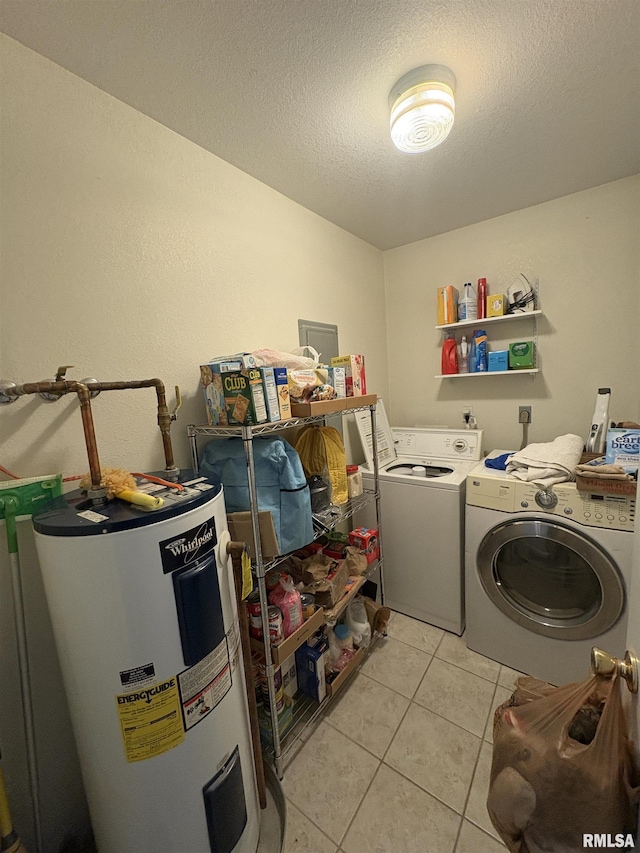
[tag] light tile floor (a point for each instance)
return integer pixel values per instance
(400, 763)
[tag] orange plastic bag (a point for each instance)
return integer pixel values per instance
(547, 789)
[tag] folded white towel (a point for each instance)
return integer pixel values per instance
(549, 463)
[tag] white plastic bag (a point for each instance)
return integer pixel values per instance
(357, 622)
(294, 360)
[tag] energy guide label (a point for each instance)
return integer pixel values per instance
(205, 685)
(150, 720)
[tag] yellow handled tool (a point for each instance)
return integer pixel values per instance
(142, 499)
(9, 840)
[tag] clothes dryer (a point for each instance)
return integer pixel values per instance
(547, 573)
(422, 476)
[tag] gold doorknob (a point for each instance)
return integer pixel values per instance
(602, 663)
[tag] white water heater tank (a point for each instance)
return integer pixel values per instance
(145, 621)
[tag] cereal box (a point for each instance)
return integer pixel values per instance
(242, 359)
(623, 448)
(338, 380)
(282, 384)
(355, 379)
(234, 397)
(270, 393)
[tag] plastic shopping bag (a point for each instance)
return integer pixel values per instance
(562, 767)
(301, 358)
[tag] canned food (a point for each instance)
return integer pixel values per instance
(279, 691)
(308, 604)
(276, 626)
(255, 616)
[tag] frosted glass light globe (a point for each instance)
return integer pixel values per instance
(422, 108)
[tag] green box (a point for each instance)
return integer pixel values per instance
(521, 355)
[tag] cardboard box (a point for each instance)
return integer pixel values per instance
(496, 305)
(270, 393)
(244, 397)
(232, 396)
(341, 678)
(311, 664)
(499, 360)
(242, 359)
(522, 355)
(282, 384)
(338, 381)
(447, 305)
(367, 540)
(289, 675)
(623, 448)
(287, 647)
(600, 485)
(241, 530)
(328, 407)
(355, 377)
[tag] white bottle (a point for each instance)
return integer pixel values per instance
(468, 305)
(463, 359)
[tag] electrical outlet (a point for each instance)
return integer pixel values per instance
(466, 414)
(524, 414)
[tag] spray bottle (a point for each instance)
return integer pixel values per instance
(463, 360)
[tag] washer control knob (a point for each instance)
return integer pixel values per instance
(598, 515)
(609, 518)
(547, 500)
(568, 510)
(587, 515)
(623, 518)
(524, 504)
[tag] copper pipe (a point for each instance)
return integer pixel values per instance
(84, 396)
(85, 409)
(164, 417)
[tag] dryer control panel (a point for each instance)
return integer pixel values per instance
(613, 512)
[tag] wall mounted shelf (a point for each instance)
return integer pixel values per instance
(505, 318)
(487, 373)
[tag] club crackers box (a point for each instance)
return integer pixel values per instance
(355, 380)
(270, 393)
(233, 397)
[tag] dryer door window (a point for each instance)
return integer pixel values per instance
(551, 579)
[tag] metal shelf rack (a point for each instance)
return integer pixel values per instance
(306, 712)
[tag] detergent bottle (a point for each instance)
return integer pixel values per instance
(472, 355)
(449, 355)
(468, 305)
(481, 358)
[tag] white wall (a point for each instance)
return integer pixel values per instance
(131, 253)
(585, 250)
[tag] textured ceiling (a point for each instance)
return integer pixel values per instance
(294, 92)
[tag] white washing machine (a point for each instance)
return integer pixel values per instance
(422, 514)
(547, 573)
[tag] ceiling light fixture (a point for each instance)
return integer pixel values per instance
(422, 108)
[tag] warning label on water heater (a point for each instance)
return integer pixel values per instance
(205, 685)
(150, 720)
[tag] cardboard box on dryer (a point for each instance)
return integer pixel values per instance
(355, 377)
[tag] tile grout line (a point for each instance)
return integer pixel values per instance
(355, 814)
(444, 660)
(321, 831)
(475, 768)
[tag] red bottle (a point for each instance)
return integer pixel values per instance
(449, 355)
(482, 298)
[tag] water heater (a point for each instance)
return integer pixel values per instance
(145, 620)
